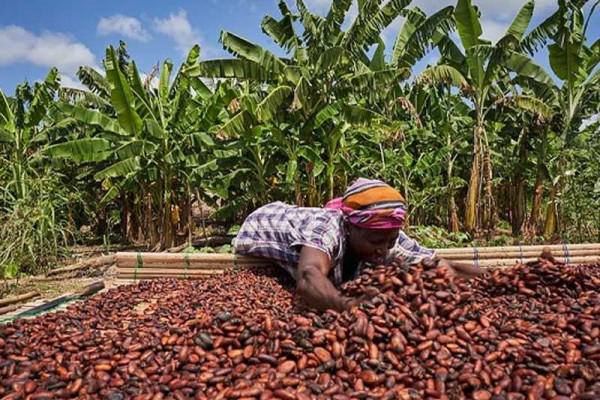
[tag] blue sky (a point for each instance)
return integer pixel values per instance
(38, 34)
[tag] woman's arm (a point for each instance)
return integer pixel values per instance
(313, 284)
(462, 270)
(471, 271)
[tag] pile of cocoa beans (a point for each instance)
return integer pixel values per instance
(524, 333)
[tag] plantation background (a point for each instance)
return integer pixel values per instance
(485, 144)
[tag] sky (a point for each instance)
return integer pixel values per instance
(36, 35)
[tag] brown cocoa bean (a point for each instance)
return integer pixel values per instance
(286, 367)
(322, 354)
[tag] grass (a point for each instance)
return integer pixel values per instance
(48, 290)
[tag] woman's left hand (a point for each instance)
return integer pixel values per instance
(431, 263)
(467, 271)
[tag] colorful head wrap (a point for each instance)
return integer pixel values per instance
(371, 204)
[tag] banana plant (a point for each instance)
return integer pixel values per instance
(246, 162)
(143, 142)
(25, 126)
(573, 100)
(478, 72)
(35, 200)
(582, 190)
(313, 85)
(445, 121)
(523, 137)
(418, 34)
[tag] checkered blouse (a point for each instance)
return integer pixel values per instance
(278, 232)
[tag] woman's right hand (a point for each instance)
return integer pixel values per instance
(347, 303)
(313, 285)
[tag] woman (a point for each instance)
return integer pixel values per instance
(324, 247)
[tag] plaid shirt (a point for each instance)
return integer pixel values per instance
(278, 232)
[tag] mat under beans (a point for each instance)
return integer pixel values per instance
(529, 332)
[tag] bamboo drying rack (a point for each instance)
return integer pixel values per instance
(138, 266)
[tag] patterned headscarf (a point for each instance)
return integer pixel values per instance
(371, 204)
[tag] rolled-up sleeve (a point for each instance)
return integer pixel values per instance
(322, 233)
(409, 250)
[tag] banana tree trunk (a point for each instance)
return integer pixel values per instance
(474, 181)
(189, 217)
(126, 219)
(19, 179)
(536, 202)
(311, 198)
(489, 209)
(138, 219)
(167, 227)
(536, 206)
(298, 191)
(551, 209)
(202, 218)
(518, 203)
(330, 182)
(297, 186)
(453, 223)
(19, 165)
(166, 214)
(151, 232)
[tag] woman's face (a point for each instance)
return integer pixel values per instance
(371, 245)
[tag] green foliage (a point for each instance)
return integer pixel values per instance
(34, 230)
(146, 146)
(438, 238)
(482, 140)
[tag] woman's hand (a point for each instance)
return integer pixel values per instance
(313, 284)
(453, 268)
(430, 263)
(467, 271)
(347, 303)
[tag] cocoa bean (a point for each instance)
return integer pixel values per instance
(521, 333)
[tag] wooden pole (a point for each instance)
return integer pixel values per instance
(91, 263)
(8, 309)
(183, 264)
(171, 271)
(163, 275)
(510, 262)
(153, 265)
(158, 276)
(192, 257)
(515, 254)
(556, 247)
(18, 299)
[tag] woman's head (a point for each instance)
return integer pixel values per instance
(371, 245)
(374, 213)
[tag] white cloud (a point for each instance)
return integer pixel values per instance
(495, 18)
(154, 82)
(493, 30)
(48, 49)
(178, 28)
(587, 122)
(68, 81)
(490, 9)
(128, 27)
(507, 9)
